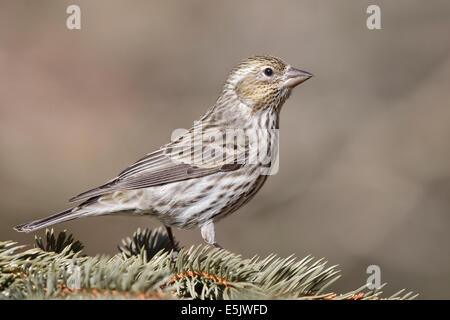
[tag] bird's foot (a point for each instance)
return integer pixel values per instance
(215, 244)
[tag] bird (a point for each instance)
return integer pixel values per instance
(203, 175)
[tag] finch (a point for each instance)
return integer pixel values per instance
(212, 169)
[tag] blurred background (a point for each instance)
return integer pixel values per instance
(365, 145)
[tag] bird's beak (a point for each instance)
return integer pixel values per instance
(294, 77)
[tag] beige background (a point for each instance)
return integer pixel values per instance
(365, 159)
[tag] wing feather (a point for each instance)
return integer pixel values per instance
(173, 162)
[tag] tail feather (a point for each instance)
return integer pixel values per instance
(90, 207)
(66, 215)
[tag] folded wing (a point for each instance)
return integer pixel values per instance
(180, 160)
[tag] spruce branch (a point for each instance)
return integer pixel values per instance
(57, 244)
(146, 269)
(148, 242)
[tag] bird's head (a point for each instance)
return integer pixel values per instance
(264, 81)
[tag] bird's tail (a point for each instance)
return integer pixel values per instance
(66, 215)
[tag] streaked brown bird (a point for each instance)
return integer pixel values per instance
(212, 169)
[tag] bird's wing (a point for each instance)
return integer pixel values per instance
(180, 160)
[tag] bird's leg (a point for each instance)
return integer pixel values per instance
(209, 235)
(171, 238)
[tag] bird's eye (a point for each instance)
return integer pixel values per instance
(268, 72)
